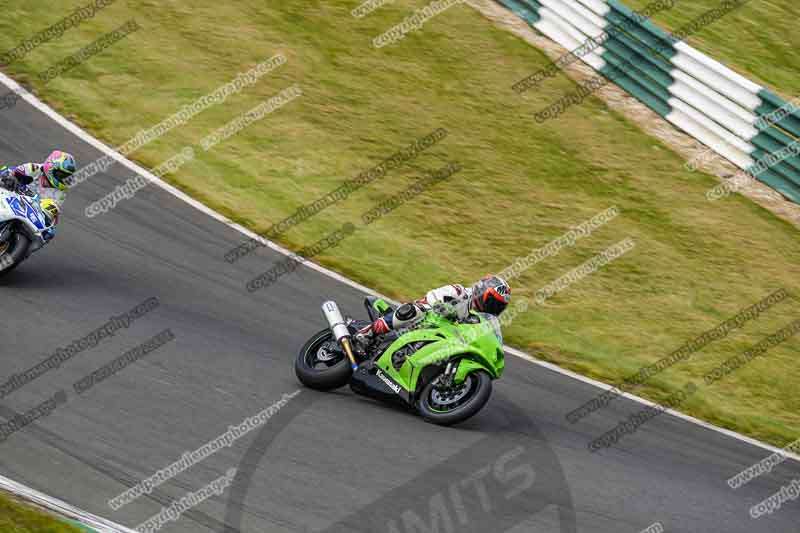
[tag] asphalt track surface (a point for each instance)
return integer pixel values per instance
(326, 462)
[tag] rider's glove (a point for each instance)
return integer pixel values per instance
(8, 183)
(23, 178)
(452, 308)
(445, 309)
(461, 308)
(13, 183)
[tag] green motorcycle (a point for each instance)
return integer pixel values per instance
(441, 368)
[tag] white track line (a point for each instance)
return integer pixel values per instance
(87, 138)
(677, 414)
(101, 525)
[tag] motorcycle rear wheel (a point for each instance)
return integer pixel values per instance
(321, 364)
(454, 405)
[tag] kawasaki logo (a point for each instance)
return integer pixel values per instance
(392, 385)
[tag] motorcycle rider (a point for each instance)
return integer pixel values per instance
(49, 180)
(489, 295)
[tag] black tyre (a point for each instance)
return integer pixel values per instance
(447, 406)
(14, 253)
(322, 364)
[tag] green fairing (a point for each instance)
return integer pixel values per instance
(477, 346)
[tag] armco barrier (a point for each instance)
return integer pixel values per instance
(697, 94)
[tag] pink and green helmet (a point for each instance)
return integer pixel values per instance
(57, 168)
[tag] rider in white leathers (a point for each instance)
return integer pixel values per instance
(490, 295)
(48, 180)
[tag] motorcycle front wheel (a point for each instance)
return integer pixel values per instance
(445, 406)
(321, 363)
(12, 252)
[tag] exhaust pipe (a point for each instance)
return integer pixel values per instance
(339, 329)
(335, 320)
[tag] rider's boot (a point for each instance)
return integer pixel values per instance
(362, 340)
(367, 336)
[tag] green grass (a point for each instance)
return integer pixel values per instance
(16, 518)
(695, 263)
(758, 40)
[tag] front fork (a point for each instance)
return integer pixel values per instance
(340, 331)
(448, 377)
(348, 349)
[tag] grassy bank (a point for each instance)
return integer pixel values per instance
(16, 518)
(757, 40)
(522, 184)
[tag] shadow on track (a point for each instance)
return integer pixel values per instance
(504, 479)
